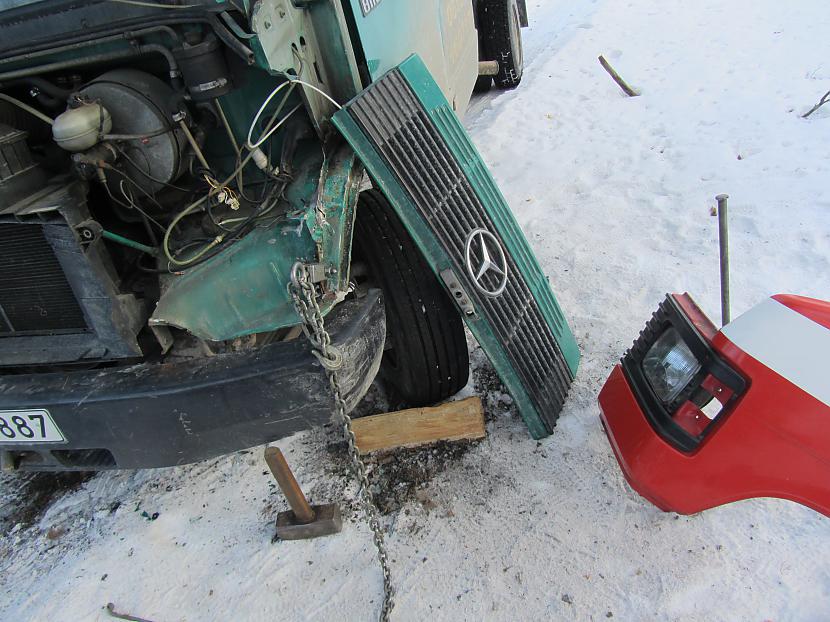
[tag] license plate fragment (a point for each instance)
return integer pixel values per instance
(28, 426)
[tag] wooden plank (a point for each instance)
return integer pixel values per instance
(452, 421)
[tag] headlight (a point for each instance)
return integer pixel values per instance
(669, 366)
(674, 372)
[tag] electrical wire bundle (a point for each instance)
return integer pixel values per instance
(220, 191)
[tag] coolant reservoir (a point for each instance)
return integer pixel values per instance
(79, 129)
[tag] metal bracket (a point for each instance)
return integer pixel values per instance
(457, 292)
(163, 336)
(89, 231)
(317, 272)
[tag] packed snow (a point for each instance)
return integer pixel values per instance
(614, 194)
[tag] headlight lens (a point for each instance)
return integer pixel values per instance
(669, 365)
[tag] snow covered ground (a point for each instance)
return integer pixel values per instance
(614, 194)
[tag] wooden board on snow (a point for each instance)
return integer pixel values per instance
(452, 421)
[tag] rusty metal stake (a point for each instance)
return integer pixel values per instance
(723, 239)
(302, 521)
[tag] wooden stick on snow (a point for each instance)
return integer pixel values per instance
(622, 83)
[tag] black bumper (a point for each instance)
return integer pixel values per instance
(155, 415)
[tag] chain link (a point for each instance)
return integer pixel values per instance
(305, 301)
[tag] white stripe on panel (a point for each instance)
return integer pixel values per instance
(787, 342)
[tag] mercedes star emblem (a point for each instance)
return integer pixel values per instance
(486, 262)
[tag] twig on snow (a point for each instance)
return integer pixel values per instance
(123, 616)
(825, 98)
(622, 83)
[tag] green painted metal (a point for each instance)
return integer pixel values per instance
(480, 178)
(441, 32)
(395, 29)
(331, 223)
(260, 57)
(336, 57)
(241, 291)
(388, 32)
(244, 289)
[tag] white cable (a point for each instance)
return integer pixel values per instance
(253, 145)
(250, 145)
(314, 88)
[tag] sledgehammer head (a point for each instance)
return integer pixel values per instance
(326, 521)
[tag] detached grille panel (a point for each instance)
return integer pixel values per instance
(35, 297)
(441, 173)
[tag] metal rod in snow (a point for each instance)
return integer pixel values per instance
(723, 238)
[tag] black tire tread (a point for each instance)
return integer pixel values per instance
(494, 19)
(483, 84)
(424, 326)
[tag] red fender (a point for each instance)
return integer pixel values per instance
(773, 440)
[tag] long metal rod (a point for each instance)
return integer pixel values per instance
(723, 239)
(196, 149)
(90, 42)
(288, 484)
(69, 64)
(120, 239)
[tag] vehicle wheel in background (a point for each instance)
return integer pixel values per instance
(483, 84)
(426, 359)
(502, 39)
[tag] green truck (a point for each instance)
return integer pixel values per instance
(173, 174)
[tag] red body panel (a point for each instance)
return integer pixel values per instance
(816, 310)
(774, 441)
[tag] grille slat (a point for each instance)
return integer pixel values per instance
(405, 134)
(35, 297)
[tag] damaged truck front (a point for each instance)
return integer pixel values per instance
(165, 166)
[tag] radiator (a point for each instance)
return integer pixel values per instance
(59, 302)
(35, 297)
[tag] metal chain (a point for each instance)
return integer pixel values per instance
(305, 301)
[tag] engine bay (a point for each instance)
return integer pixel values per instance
(120, 172)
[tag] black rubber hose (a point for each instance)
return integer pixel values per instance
(47, 87)
(173, 65)
(227, 37)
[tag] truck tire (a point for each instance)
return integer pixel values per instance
(501, 35)
(426, 359)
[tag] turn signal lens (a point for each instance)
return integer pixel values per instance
(669, 366)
